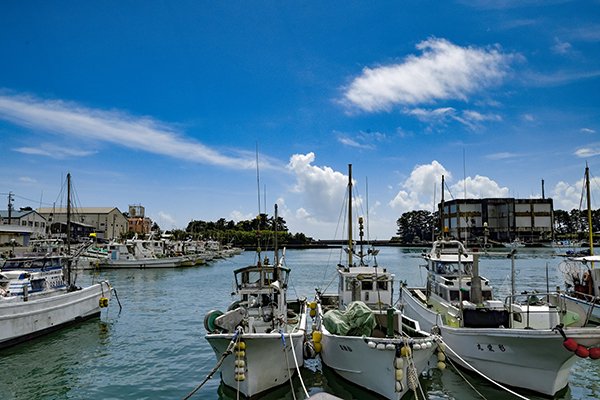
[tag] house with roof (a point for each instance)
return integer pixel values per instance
(27, 220)
(107, 222)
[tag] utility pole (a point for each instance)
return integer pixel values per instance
(10, 206)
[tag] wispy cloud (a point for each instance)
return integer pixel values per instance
(53, 151)
(440, 116)
(587, 130)
(590, 151)
(557, 78)
(141, 133)
(443, 71)
(501, 156)
(362, 140)
(561, 47)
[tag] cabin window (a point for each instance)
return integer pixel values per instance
(382, 285)
(517, 317)
(367, 285)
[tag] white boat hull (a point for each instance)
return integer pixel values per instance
(267, 363)
(353, 359)
(22, 320)
(167, 262)
(533, 359)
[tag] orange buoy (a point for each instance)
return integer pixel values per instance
(570, 344)
(582, 351)
(594, 353)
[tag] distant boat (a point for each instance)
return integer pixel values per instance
(133, 255)
(38, 295)
(515, 244)
(264, 330)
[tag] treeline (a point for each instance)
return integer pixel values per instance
(422, 225)
(258, 231)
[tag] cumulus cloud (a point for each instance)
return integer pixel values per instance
(141, 133)
(321, 189)
(568, 196)
(417, 191)
(479, 187)
(443, 71)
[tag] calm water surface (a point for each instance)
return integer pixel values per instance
(155, 347)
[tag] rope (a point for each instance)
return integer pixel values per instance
(287, 362)
(298, 367)
(483, 375)
(227, 352)
(465, 379)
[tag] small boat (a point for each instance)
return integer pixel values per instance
(527, 341)
(361, 335)
(38, 295)
(260, 337)
(515, 244)
(134, 255)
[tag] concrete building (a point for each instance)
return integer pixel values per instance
(530, 220)
(106, 222)
(138, 222)
(26, 218)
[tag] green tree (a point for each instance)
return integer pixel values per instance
(415, 226)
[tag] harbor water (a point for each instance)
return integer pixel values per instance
(154, 348)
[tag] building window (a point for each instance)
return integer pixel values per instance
(24, 223)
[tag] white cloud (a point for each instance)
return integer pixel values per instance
(321, 189)
(417, 192)
(237, 216)
(53, 151)
(587, 130)
(141, 133)
(443, 71)
(568, 196)
(27, 179)
(585, 152)
(478, 187)
(561, 47)
(501, 156)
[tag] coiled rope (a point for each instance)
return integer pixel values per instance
(483, 375)
(226, 353)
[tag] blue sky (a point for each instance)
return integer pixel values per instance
(164, 104)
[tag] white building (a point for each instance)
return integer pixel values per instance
(27, 220)
(108, 222)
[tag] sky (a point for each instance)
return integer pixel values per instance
(169, 105)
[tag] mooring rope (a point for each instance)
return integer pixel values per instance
(226, 353)
(298, 367)
(483, 375)
(465, 379)
(287, 362)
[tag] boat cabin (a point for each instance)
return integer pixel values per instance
(372, 286)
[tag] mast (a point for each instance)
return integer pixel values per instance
(589, 208)
(69, 229)
(350, 250)
(442, 211)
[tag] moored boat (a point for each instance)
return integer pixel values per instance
(527, 341)
(361, 335)
(262, 329)
(38, 295)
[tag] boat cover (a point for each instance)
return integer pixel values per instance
(357, 320)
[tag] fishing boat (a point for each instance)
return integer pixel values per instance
(133, 254)
(38, 295)
(528, 340)
(581, 275)
(259, 339)
(361, 335)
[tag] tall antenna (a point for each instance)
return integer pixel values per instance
(350, 249)
(464, 174)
